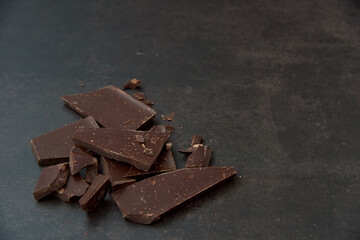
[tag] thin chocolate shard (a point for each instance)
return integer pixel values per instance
(91, 172)
(164, 163)
(162, 128)
(199, 158)
(139, 96)
(54, 147)
(80, 158)
(132, 84)
(121, 145)
(116, 171)
(196, 139)
(51, 179)
(148, 200)
(169, 117)
(95, 193)
(75, 187)
(111, 107)
(190, 150)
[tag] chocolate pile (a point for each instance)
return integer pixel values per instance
(136, 162)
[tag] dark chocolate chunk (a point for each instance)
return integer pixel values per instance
(75, 187)
(54, 147)
(196, 139)
(169, 117)
(132, 84)
(111, 107)
(146, 201)
(51, 179)
(189, 150)
(91, 172)
(199, 158)
(139, 96)
(95, 193)
(116, 171)
(80, 158)
(164, 163)
(121, 145)
(162, 128)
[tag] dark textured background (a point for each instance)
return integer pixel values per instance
(273, 86)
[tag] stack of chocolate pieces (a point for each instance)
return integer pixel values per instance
(110, 150)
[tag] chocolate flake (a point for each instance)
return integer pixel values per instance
(132, 84)
(51, 179)
(139, 96)
(169, 117)
(148, 200)
(54, 147)
(139, 138)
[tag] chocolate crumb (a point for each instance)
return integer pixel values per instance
(169, 117)
(139, 96)
(139, 138)
(148, 151)
(168, 145)
(148, 102)
(132, 84)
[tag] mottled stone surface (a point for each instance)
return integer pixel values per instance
(272, 86)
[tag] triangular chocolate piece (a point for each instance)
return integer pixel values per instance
(111, 107)
(95, 193)
(75, 187)
(116, 171)
(51, 179)
(80, 158)
(200, 157)
(146, 201)
(122, 146)
(54, 147)
(164, 163)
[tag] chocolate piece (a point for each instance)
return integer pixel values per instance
(116, 171)
(95, 193)
(190, 150)
(196, 139)
(54, 147)
(79, 159)
(164, 163)
(199, 158)
(51, 179)
(162, 128)
(111, 107)
(147, 102)
(121, 145)
(139, 96)
(91, 172)
(132, 84)
(75, 187)
(146, 201)
(169, 117)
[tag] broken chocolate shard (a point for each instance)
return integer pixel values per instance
(132, 84)
(95, 193)
(164, 163)
(139, 96)
(54, 147)
(121, 145)
(196, 139)
(189, 150)
(91, 172)
(200, 157)
(51, 179)
(116, 171)
(111, 107)
(162, 128)
(148, 200)
(80, 158)
(169, 117)
(75, 187)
